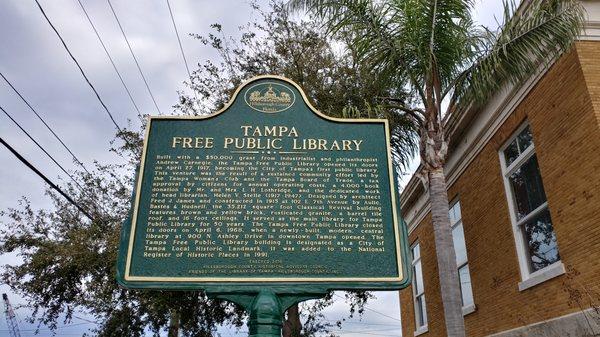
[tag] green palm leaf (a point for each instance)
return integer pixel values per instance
(531, 37)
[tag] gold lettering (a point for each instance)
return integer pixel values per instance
(322, 144)
(282, 130)
(196, 142)
(245, 128)
(187, 142)
(335, 146)
(176, 140)
(346, 145)
(271, 131)
(239, 143)
(295, 145)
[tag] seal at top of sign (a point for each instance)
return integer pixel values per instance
(269, 97)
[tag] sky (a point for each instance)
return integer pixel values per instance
(32, 58)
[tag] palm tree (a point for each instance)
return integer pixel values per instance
(449, 65)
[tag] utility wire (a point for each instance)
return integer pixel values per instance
(58, 327)
(361, 323)
(78, 66)
(79, 162)
(48, 181)
(187, 68)
(375, 311)
(111, 61)
(84, 319)
(41, 148)
(133, 55)
(83, 190)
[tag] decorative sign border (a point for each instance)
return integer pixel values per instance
(400, 235)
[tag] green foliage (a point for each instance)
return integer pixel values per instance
(315, 321)
(68, 263)
(435, 50)
(529, 38)
(435, 45)
(327, 68)
(279, 45)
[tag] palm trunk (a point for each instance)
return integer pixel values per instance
(174, 324)
(292, 325)
(446, 257)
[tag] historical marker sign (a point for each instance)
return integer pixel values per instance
(266, 191)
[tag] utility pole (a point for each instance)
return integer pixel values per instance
(11, 319)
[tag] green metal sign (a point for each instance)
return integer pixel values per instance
(267, 195)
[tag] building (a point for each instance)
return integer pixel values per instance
(524, 190)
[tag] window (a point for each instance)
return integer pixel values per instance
(536, 241)
(418, 291)
(462, 264)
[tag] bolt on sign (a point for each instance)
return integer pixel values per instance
(265, 195)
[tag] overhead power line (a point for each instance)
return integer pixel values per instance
(111, 61)
(187, 68)
(79, 162)
(373, 310)
(41, 148)
(81, 188)
(41, 175)
(361, 322)
(133, 55)
(57, 328)
(78, 66)
(84, 319)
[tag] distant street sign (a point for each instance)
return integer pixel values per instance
(267, 191)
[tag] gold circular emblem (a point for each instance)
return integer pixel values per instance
(269, 97)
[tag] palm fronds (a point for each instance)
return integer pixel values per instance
(531, 37)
